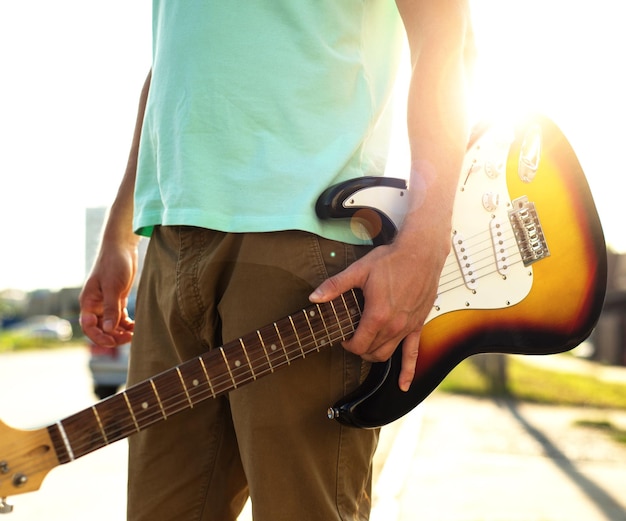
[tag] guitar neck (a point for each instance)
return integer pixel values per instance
(215, 373)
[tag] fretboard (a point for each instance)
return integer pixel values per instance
(216, 372)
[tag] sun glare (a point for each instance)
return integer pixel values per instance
(526, 57)
(559, 58)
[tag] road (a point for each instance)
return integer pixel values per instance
(38, 388)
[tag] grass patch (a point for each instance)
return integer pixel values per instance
(465, 378)
(606, 427)
(10, 341)
(539, 385)
(529, 383)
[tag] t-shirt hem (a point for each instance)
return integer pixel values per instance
(343, 230)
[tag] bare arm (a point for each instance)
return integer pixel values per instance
(399, 281)
(103, 300)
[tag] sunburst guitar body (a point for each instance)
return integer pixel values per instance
(526, 274)
(527, 269)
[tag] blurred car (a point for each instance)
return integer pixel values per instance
(43, 327)
(109, 365)
(109, 368)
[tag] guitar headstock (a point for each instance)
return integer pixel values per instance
(26, 456)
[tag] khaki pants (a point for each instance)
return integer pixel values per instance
(270, 439)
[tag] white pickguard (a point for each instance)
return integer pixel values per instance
(484, 269)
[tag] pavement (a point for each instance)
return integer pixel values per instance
(460, 458)
(454, 458)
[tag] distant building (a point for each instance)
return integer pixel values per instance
(15, 306)
(609, 337)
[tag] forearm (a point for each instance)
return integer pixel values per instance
(437, 118)
(118, 228)
(399, 281)
(104, 317)
(438, 134)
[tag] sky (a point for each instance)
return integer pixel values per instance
(71, 72)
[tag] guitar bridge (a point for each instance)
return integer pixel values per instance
(528, 232)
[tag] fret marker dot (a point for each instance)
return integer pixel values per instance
(237, 363)
(312, 313)
(144, 405)
(352, 311)
(195, 383)
(273, 347)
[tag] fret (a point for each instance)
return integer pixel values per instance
(206, 374)
(97, 426)
(228, 367)
(130, 409)
(280, 338)
(158, 398)
(114, 416)
(295, 330)
(306, 314)
(269, 362)
(272, 343)
(241, 362)
(332, 322)
(354, 310)
(182, 381)
(192, 375)
(171, 390)
(104, 434)
(347, 311)
(332, 305)
(357, 303)
(245, 352)
(145, 404)
(320, 313)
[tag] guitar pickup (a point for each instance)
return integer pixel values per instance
(500, 250)
(465, 263)
(528, 232)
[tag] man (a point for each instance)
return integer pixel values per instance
(249, 112)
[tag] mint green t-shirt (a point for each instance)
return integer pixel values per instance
(256, 107)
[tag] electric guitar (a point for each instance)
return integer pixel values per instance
(526, 274)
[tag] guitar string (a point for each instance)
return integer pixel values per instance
(183, 397)
(483, 237)
(179, 401)
(235, 371)
(343, 321)
(223, 382)
(217, 384)
(481, 263)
